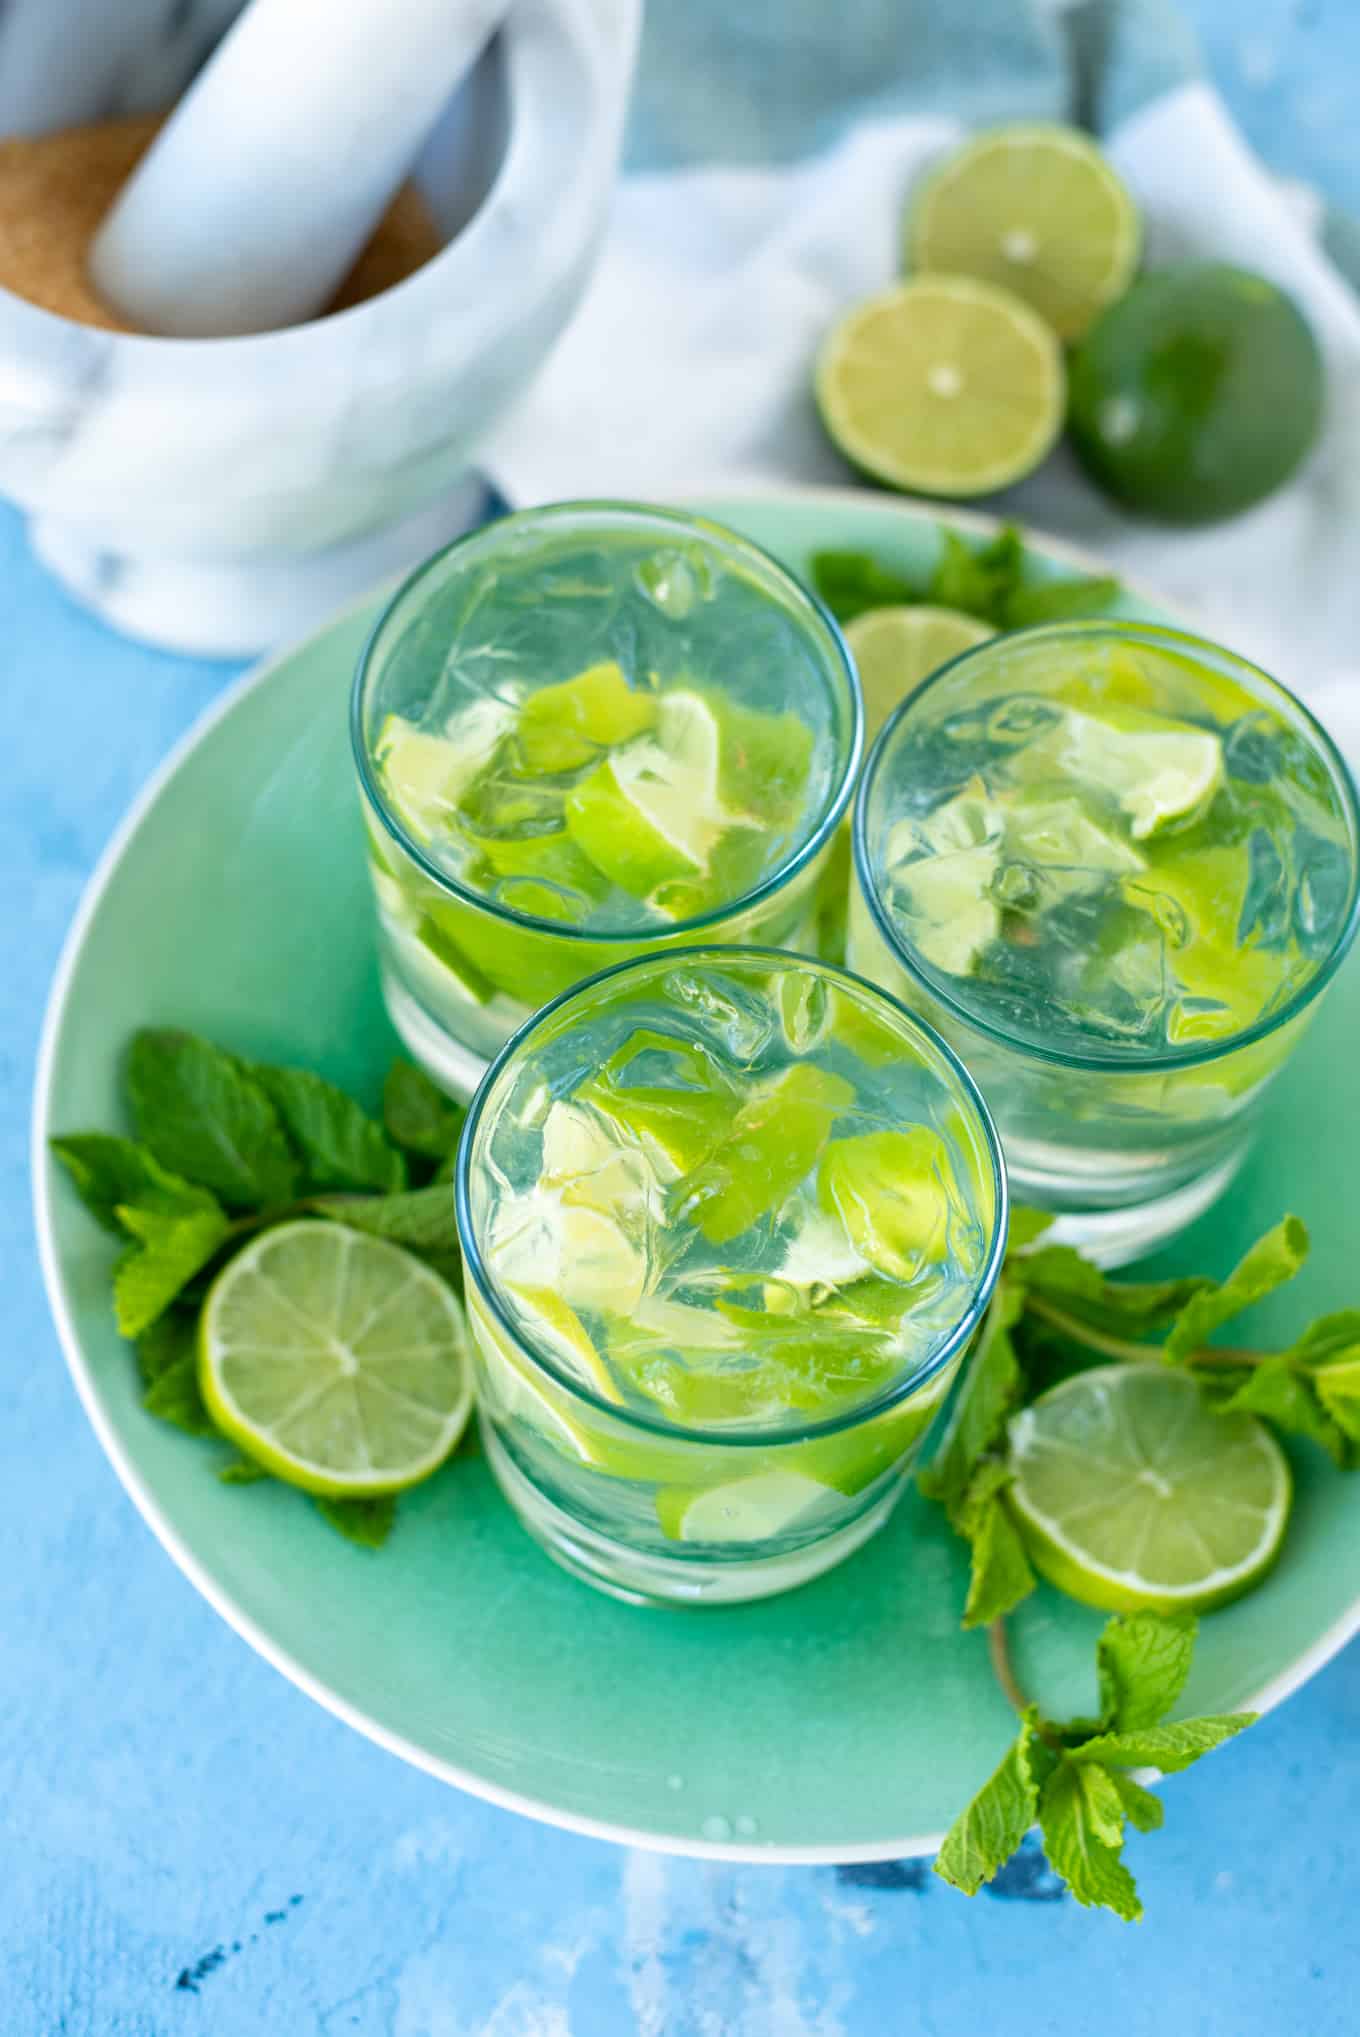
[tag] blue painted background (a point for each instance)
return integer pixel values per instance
(188, 1845)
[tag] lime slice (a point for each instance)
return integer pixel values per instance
(1036, 209)
(561, 728)
(552, 860)
(763, 762)
(944, 386)
(747, 1510)
(1160, 771)
(772, 1143)
(541, 1240)
(556, 1324)
(335, 1360)
(675, 1128)
(651, 812)
(896, 648)
(1131, 1493)
(1198, 394)
(894, 1195)
(424, 775)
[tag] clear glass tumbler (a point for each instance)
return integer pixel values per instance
(729, 1218)
(1115, 865)
(583, 733)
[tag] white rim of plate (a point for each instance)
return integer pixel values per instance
(912, 1846)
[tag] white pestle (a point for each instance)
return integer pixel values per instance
(251, 206)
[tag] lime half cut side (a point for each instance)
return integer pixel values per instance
(943, 386)
(1131, 1493)
(896, 648)
(1037, 209)
(335, 1360)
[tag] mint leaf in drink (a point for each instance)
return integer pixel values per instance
(167, 1359)
(203, 1116)
(1142, 1661)
(992, 1387)
(1169, 1748)
(1060, 601)
(366, 1522)
(851, 583)
(418, 1116)
(1290, 1400)
(422, 1219)
(1078, 1813)
(168, 1250)
(1272, 1261)
(1144, 1811)
(987, 1832)
(337, 1144)
(108, 1171)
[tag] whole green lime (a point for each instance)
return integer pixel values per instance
(1196, 394)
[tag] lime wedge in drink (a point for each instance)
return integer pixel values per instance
(1159, 770)
(763, 762)
(773, 1142)
(896, 648)
(335, 1360)
(1195, 900)
(894, 1194)
(541, 1240)
(561, 728)
(424, 775)
(651, 811)
(747, 1509)
(1037, 209)
(943, 386)
(946, 864)
(1131, 1493)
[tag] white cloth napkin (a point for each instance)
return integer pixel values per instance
(689, 365)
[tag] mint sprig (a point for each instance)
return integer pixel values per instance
(1071, 1777)
(989, 581)
(226, 1148)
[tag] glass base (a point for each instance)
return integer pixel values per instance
(456, 1068)
(1112, 1237)
(641, 1577)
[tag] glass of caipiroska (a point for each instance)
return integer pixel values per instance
(1115, 865)
(729, 1220)
(582, 733)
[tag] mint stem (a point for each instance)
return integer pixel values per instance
(1137, 1354)
(999, 1649)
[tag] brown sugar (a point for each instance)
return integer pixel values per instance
(55, 190)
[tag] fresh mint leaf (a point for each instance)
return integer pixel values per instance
(422, 1219)
(1074, 1813)
(987, 1832)
(418, 1116)
(1337, 1385)
(1169, 1748)
(1290, 1400)
(204, 1117)
(1062, 1272)
(1063, 1276)
(1143, 1810)
(1059, 601)
(1331, 1336)
(978, 583)
(1001, 1575)
(1272, 1260)
(338, 1145)
(1026, 1225)
(167, 1359)
(241, 1471)
(367, 1522)
(851, 583)
(109, 1171)
(1142, 1661)
(992, 1387)
(167, 1252)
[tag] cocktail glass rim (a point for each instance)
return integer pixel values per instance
(679, 521)
(1072, 1054)
(737, 1435)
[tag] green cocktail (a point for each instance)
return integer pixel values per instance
(729, 1220)
(1115, 865)
(583, 733)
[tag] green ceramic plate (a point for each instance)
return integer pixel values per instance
(849, 1720)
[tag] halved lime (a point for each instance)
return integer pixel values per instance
(896, 648)
(651, 811)
(335, 1360)
(773, 1142)
(561, 728)
(1132, 1493)
(943, 385)
(1037, 209)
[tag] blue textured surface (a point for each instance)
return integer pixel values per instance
(189, 1845)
